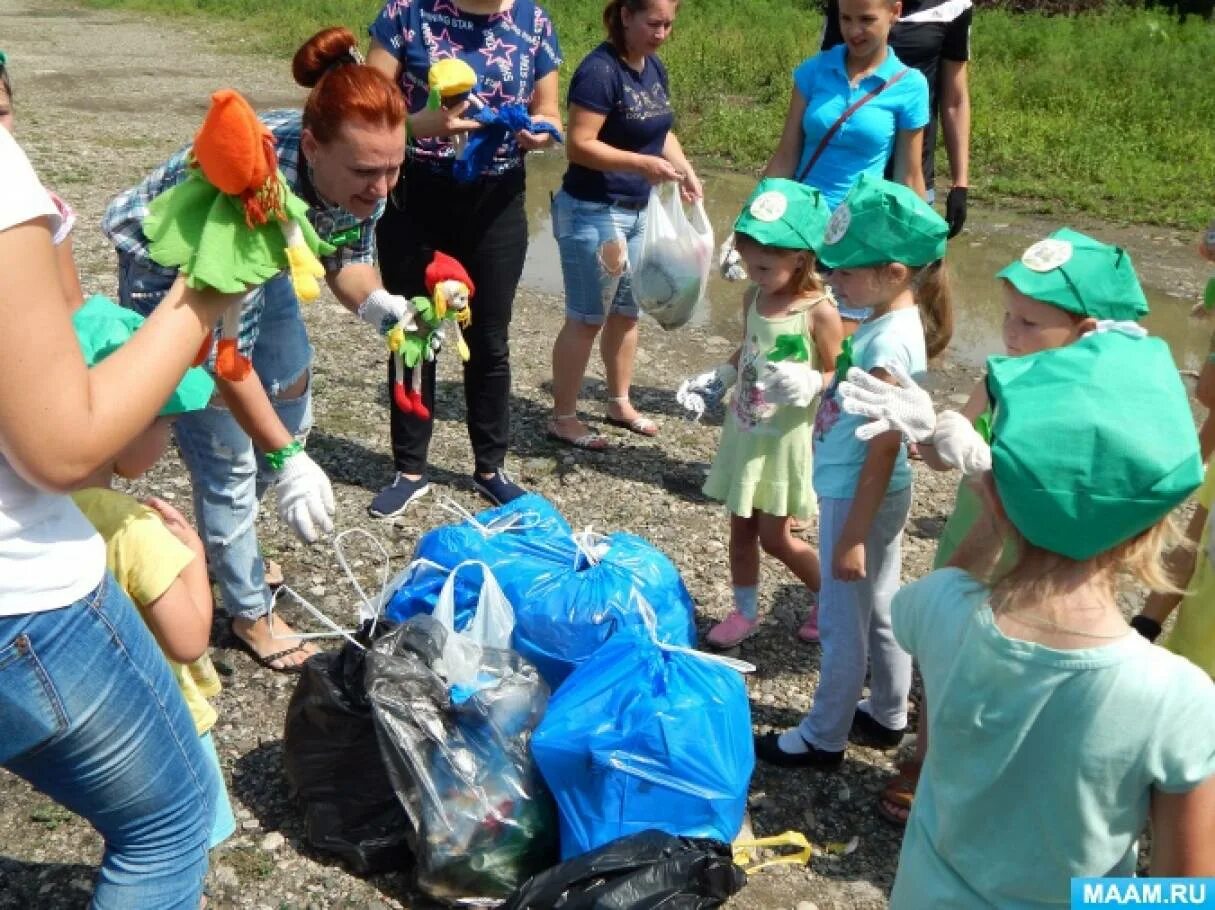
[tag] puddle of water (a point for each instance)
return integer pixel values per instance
(992, 239)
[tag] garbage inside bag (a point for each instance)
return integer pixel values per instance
(333, 764)
(503, 537)
(671, 274)
(647, 735)
(460, 763)
(564, 612)
(644, 871)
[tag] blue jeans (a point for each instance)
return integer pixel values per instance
(596, 286)
(91, 716)
(229, 475)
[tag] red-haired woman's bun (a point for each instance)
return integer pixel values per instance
(320, 52)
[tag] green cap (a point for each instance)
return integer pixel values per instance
(1080, 275)
(1094, 442)
(784, 213)
(881, 222)
(102, 327)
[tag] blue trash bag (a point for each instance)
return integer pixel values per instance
(647, 736)
(564, 612)
(510, 539)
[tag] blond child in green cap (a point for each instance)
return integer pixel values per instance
(1057, 732)
(762, 470)
(156, 557)
(1058, 290)
(885, 245)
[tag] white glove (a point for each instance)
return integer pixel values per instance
(382, 311)
(729, 262)
(905, 407)
(791, 382)
(305, 498)
(960, 445)
(436, 344)
(705, 391)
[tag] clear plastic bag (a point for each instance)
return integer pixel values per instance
(460, 763)
(672, 273)
(491, 627)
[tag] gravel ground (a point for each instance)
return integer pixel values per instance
(104, 96)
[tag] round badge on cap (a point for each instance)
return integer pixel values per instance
(1046, 255)
(837, 227)
(769, 206)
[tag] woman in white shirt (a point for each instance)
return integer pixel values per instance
(89, 713)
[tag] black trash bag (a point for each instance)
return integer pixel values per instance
(460, 759)
(644, 871)
(333, 764)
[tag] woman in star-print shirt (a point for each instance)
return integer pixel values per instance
(512, 47)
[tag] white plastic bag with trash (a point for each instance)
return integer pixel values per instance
(670, 277)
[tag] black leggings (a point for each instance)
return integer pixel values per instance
(484, 226)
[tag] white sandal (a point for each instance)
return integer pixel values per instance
(642, 426)
(591, 442)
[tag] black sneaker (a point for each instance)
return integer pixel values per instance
(767, 748)
(868, 732)
(396, 497)
(498, 488)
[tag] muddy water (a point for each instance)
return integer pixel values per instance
(1171, 273)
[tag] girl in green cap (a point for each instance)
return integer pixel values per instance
(1055, 293)
(1058, 732)
(762, 470)
(885, 245)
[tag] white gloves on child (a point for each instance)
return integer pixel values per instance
(382, 311)
(305, 497)
(905, 407)
(908, 409)
(790, 382)
(960, 445)
(705, 391)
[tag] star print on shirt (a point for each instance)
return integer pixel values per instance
(441, 45)
(503, 60)
(499, 96)
(396, 7)
(447, 6)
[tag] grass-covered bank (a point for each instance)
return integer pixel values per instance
(1105, 112)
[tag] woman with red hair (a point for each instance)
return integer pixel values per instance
(341, 154)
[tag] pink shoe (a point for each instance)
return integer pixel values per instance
(732, 630)
(809, 630)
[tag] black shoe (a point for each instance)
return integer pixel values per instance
(767, 748)
(498, 488)
(868, 732)
(395, 498)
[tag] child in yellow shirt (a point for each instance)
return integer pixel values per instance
(152, 551)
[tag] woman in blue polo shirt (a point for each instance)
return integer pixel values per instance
(620, 144)
(891, 118)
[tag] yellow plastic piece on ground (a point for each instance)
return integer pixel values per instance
(746, 851)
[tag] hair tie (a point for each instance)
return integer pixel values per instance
(352, 56)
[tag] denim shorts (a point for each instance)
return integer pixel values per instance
(595, 287)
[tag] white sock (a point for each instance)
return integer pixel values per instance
(791, 742)
(746, 601)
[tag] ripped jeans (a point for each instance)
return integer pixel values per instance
(229, 475)
(597, 242)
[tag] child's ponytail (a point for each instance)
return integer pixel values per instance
(933, 291)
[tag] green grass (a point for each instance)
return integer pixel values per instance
(1108, 113)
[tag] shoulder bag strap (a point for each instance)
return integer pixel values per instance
(852, 109)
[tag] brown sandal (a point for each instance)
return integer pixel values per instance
(899, 793)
